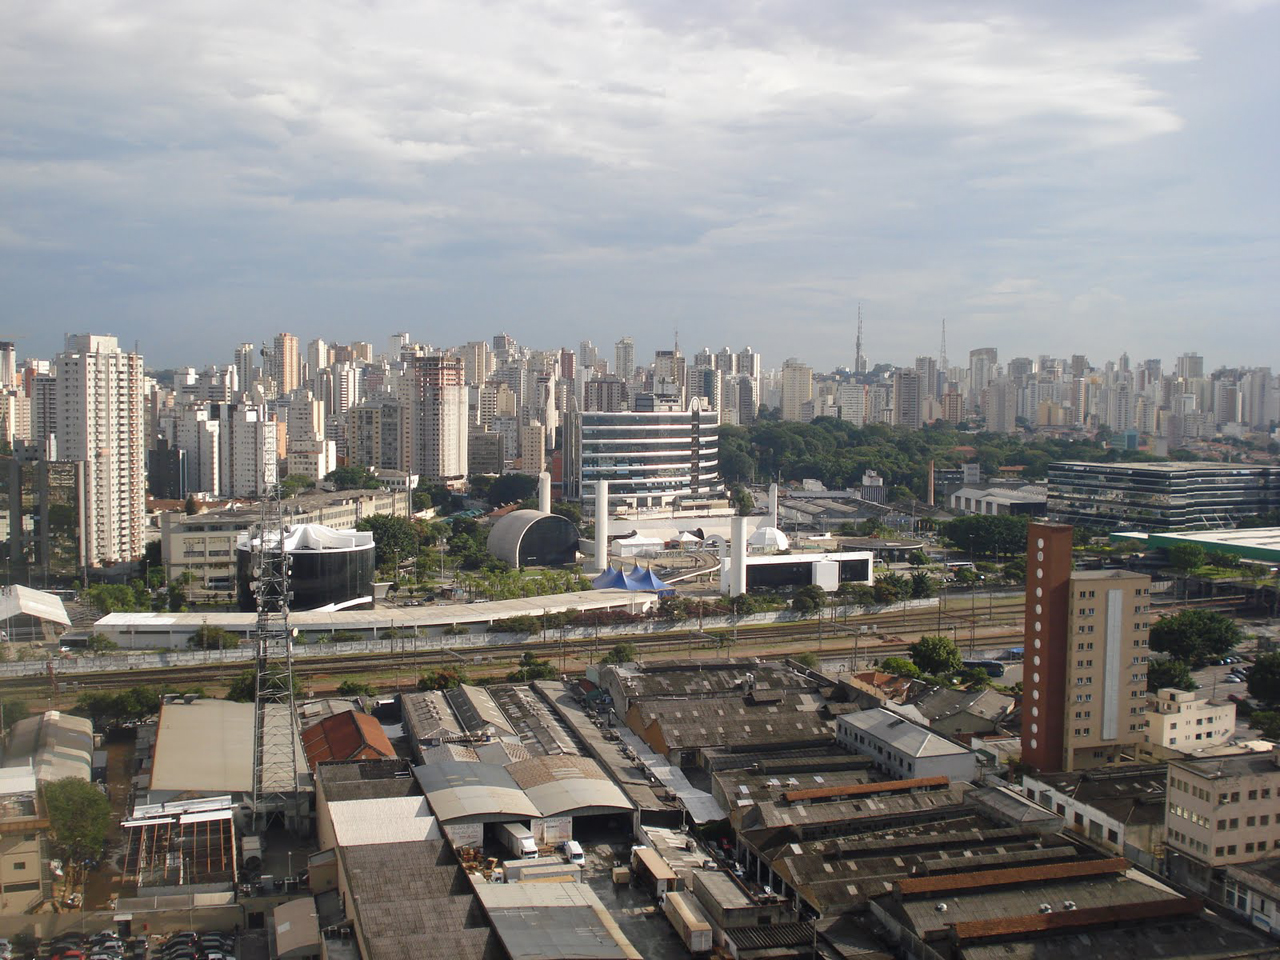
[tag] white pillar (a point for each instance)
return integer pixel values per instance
(544, 492)
(601, 563)
(738, 569)
(773, 505)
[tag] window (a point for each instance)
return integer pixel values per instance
(1249, 822)
(1248, 848)
(19, 865)
(1113, 837)
(1217, 851)
(1266, 793)
(1264, 820)
(1222, 824)
(1231, 850)
(1234, 824)
(1235, 796)
(1253, 794)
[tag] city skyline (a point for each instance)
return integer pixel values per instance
(1070, 180)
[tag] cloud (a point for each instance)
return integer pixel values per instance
(747, 167)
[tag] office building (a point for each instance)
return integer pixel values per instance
(1087, 649)
(101, 421)
(42, 528)
(654, 457)
(1160, 496)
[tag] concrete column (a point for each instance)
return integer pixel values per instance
(601, 563)
(773, 505)
(738, 567)
(544, 492)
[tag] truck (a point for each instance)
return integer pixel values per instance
(518, 839)
(686, 917)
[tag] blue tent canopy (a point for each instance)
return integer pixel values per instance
(636, 578)
(611, 579)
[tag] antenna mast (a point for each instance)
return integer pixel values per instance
(275, 768)
(859, 361)
(942, 352)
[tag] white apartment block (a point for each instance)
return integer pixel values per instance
(314, 459)
(101, 419)
(1179, 720)
(249, 451)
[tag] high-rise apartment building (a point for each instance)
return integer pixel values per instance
(8, 365)
(286, 364)
(908, 398)
(606, 394)
(246, 360)
(374, 433)
(982, 370)
(797, 388)
(1086, 647)
(624, 358)
(101, 420)
(438, 417)
(317, 356)
(1190, 366)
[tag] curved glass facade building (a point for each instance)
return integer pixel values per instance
(651, 459)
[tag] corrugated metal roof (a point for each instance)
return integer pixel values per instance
(862, 789)
(19, 600)
(1014, 875)
(1077, 919)
(901, 734)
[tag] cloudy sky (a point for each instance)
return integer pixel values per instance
(1052, 178)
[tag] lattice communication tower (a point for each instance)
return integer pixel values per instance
(275, 767)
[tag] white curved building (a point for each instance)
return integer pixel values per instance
(651, 458)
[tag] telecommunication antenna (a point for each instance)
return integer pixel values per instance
(275, 767)
(859, 360)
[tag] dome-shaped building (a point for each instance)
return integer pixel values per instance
(532, 538)
(327, 567)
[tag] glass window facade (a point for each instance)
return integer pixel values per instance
(1160, 496)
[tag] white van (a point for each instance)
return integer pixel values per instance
(573, 850)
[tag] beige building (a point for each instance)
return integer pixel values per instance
(797, 388)
(24, 826)
(204, 544)
(1108, 623)
(1221, 811)
(1179, 720)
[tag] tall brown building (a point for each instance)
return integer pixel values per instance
(1086, 650)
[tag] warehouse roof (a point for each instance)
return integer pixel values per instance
(566, 785)
(53, 745)
(18, 600)
(366, 780)
(553, 921)
(478, 711)
(358, 823)
(297, 928)
(473, 792)
(764, 717)
(345, 736)
(428, 716)
(204, 746)
(902, 735)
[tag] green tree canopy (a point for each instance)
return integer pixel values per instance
(1167, 672)
(1195, 636)
(809, 599)
(13, 709)
(356, 688)
(352, 478)
(443, 678)
(624, 652)
(988, 535)
(936, 655)
(1185, 557)
(531, 668)
(511, 488)
(807, 659)
(79, 817)
(393, 537)
(900, 666)
(209, 637)
(294, 484)
(1266, 722)
(921, 584)
(1264, 678)
(243, 688)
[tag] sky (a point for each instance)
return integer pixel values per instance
(1086, 177)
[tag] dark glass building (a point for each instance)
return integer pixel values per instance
(41, 520)
(326, 567)
(1160, 496)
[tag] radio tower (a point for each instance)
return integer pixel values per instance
(275, 766)
(859, 361)
(942, 351)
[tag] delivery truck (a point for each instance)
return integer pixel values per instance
(686, 916)
(518, 839)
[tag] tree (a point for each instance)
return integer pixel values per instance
(100, 643)
(531, 668)
(900, 667)
(936, 655)
(622, 653)
(1185, 557)
(294, 484)
(809, 599)
(743, 502)
(12, 710)
(213, 638)
(807, 659)
(918, 558)
(352, 478)
(921, 584)
(1264, 678)
(1016, 570)
(356, 688)
(858, 593)
(1195, 636)
(79, 817)
(975, 678)
(1267, 722)
(191, 506)
(1168, 672)
(988, 534)
(512, 488)
(393, 537)
(444, 678)
(112, 598)
(891, 588)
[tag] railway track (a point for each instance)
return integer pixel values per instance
(875, 635)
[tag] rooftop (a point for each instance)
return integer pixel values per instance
(903, 735)
(1259, 543)
(345, 736)
(943, 702)
(366, 780)
(53, 745)
(358, 823)
(1240, 765)
(553, 921)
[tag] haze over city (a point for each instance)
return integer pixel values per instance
(1074, 179)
